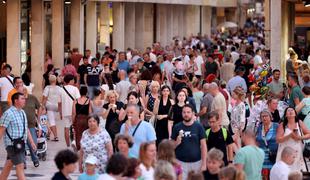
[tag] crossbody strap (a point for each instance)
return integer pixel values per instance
(6, 130)
(134, 132)
(68, 93)
(10, 81)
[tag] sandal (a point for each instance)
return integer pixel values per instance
(55, 139)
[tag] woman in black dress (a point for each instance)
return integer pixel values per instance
(111, 113)
(161, 110)
(175, 114)
(80, 112)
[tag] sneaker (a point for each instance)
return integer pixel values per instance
(36, 163)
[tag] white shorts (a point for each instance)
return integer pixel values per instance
(51, 116)
(67, 120)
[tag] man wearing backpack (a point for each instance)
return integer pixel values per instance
(218, 137)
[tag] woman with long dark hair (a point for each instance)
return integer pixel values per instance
(80, 111)
(161, 110)
(175, 114)
(292, 132)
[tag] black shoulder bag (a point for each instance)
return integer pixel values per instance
(134, 132)
(68, 93)
(19, 143)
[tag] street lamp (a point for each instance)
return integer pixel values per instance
(67, 2)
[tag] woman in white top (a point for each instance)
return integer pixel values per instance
(51, 98)
(237, 117)
(147, 157)
(292, 132)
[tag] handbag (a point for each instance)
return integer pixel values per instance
(18, 143)
(272, 155)
(306, 150)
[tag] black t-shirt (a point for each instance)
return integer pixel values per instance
(247, 67)
(216, 140)
(209, 176)
(93, 74)
(149, 65)
(176, 114)
(211, 68)
(82, 70)
(59, 176)
(276, 116)
(189, 149)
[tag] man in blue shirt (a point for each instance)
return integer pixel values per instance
(123, 64)
(13, 125)
(140, 130)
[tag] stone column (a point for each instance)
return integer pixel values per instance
(144, 24)
(170, 23)
(118, 35)
(267, 23)
(275, 34)
(37, 44)
(13, 36)
(77, 26)
(91, 27)
(192, 20)
(161, 23)
(206, 20)
(148, 22)
(130, 25)
(58, 33)
(104, 24)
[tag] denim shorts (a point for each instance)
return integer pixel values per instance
(16, 158)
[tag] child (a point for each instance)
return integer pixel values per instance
(214, 164)
(90, 172)
(231, 173)
(44, 126)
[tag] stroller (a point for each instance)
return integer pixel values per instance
(42, 140)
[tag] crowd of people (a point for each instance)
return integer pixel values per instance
(201, 108)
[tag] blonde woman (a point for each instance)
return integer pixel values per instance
(51, 98)
(151, 98)
(238, 120)
(111, 112)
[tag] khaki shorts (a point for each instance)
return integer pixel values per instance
(67, 120)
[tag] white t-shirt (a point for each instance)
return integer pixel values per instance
(106, 177)
(153, 57)
(66, 101)
(219, 104)
(146, 174)
(199, 62)
(257, 60)
(6, 86)
(29, 88)
(235, 56)
(279, 171)
(53, 94)
(122, 88)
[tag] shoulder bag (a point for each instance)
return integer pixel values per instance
(306, 150)
(68, 93)
(18, 143)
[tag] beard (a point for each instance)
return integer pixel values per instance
(187, 119)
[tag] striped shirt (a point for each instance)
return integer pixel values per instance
(13, 120)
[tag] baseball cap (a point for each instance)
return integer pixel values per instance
(91, 159)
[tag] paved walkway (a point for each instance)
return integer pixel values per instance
(47, 168)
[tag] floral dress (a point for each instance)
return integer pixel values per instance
(95, 144)
(238, 118)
